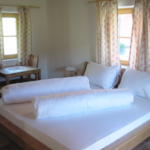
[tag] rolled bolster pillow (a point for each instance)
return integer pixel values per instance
(80, 102)
(24, 92)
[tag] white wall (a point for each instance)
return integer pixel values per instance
(72, 31)
(63, 33)
(39, 30)
(72, 35)
(125, 3)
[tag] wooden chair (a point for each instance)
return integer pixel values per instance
(33, 61)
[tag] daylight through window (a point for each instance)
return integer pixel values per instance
(9, 23)
(124, 34)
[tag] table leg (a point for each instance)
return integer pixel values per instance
(29, 76)
(7, 80)
(21, 78)
(39, 75)
(36, 76)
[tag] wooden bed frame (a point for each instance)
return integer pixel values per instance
(27, 142)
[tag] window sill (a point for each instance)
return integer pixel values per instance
(6, 60)
(124, 67)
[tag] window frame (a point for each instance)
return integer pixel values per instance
(11, 15)
(124, 11)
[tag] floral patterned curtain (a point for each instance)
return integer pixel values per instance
(1, 40)
(140, 40)
(24, 35)
(107, 33)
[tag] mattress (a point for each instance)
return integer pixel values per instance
(95, 87)
(89, 131)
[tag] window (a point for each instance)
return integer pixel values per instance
(9, 23)
(124, 34)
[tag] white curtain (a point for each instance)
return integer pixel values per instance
(24, 35)
(107, 33)
(1, 40)
(140, 40)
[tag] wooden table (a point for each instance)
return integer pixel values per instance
(16, 71)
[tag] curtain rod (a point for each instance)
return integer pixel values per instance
(99, 1)
(20, 6)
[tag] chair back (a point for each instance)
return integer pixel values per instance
(33, 61)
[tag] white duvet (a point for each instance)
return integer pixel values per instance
(80, 102)
(24, 92)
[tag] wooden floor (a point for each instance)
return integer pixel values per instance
(7, 144)
(145, 145)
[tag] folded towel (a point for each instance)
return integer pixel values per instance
(79, 102)
(24, 92)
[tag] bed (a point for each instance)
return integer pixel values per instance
(118, 129)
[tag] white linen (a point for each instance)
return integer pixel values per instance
(137, 81)
(93, 87)
(59, 105)
(24, 92)
(88, 131)
(102, 76)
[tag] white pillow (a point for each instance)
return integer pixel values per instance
(24, 92)
(102, 76)
(137, 81)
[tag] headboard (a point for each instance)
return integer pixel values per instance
(122, 72)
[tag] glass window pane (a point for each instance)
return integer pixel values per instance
(125, 25)
(124, 48)
(10, 45)
(9, 26)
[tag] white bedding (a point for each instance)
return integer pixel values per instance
(95, 87)
(65, 104)
(28, 90)
(90, 131)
